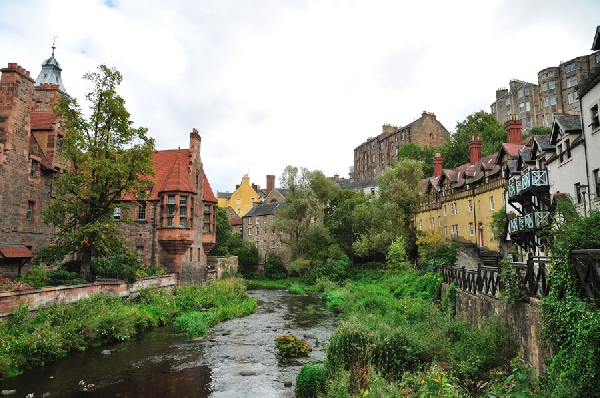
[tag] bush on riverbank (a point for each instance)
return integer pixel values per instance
(29, 340)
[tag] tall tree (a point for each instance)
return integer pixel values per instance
(340, 220)
(309, 193)
(105, 159)
(223, 233)
(425, 155)
(455, 151)
(389, 214)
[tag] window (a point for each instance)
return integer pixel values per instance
(58, 143)
(257, 231)
(507, 101)
(141, 212)
(183, 212)
(264, 219)
(579, 193)
(546, 101)
(594, 115)
(550, 73)
(553, 99)
(420, 224)
(237, 201)
(249, 220)
(529, 123)
(470, 204)
(249, 231)
(544, 87)
(597, 181)
(239, 211)
(570, 96)
(453, 209)
(528, 106)
(444, 210)
(117, 213)
(170, 211)
(526, 91)
(568, 148)
(491, 203)
(34, 167)
(272, 243)
(30, 206)
(439, 221)
(206, 225)
(431, 223)
(598, 59)
(520, 93)
(551, 84)
(445, 230)
(140, 253)
(521, 107)
(471, 229)
(258, 219)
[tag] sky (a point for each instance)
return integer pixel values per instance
(272, 83)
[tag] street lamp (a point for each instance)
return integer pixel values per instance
(582, 191)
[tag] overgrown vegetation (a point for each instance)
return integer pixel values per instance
(29, 340)
(289, 346)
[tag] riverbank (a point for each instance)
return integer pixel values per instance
(29, 340)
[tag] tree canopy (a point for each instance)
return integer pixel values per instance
(106, 159)
(415, 152)
(492, 134)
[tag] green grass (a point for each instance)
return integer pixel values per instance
(30, 340)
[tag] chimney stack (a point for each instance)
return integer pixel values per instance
(514, 130)
(474, 149)
(438, 165)
(270, 183)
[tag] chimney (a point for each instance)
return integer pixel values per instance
(438, 165)
(195, 142)
(474, 149)
(270, 183)
(514, 130)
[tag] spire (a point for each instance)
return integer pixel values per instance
(51, 71)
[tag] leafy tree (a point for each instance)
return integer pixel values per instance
(425, 155)
(388, 215)
(492, 134)
(246, 252)
(106, 158)
(340, 218)
(309, 194)
(223, 232)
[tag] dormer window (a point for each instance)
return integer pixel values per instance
(594, 115)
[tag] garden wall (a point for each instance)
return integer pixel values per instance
(46, 296)
(523, 320)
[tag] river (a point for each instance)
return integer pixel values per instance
(237, 360)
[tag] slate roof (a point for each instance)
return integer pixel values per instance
(15, 250)
(224, 195)
(42, 120)
(543, 142)
(570, 124)
(264, 209)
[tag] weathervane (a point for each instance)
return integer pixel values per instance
(54, 37)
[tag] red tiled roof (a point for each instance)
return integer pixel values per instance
(235, 221)
(174, 172)
(15, 251)
(207, 192)
(42, 120)
(512, 149)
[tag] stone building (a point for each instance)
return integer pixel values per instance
(175, 228)
(258, 226)
(373, 156)
(30, 138)
(555, 93)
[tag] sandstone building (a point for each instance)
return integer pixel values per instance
(373, 156)
(175, 228)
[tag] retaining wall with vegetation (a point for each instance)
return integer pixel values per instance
(523, 320)
(49, 295)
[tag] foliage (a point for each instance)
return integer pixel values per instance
(336, 268)
(455, 151)
(424, 155)
(538, 130)
(499, 223)
(40, 277)
(296, 289)
(519, 383)
(289, 346)
(435, 250)
(309, 193)
(340, 218)
(107, 158)
(9, 285)
(223, 233)
(449, 299)
(274, 267)
(397, 257)
(29, 340)
(389, 214)
(195, 323)
(513, 284)
(299, 266)
(246, 252)
(310, 381)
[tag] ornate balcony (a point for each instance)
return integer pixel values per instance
(533, 180)
(528, 222)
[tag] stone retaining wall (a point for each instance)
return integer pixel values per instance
(46, 296)
(523, 320)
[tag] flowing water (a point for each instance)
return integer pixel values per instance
(237, 360)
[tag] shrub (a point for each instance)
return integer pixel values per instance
(194, 324)
(299, 266)
(397, 256)
(310, 381)
(291, 346)
(274, 267)
(296, 289)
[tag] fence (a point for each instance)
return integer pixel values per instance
(532, 274)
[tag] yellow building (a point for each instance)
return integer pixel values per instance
(459, 203)
(242, 199)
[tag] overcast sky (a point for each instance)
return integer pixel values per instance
(301, 82)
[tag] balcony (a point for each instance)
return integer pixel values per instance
(534, 180)
(176, 241)
(528, 222)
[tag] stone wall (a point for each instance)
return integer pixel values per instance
(49, 295)
(523, 320)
